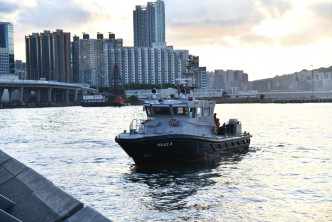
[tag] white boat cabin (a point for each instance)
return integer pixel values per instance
(185, 116)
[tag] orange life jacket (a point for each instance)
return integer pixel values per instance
(217, 122)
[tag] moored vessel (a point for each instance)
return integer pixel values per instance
(181, 130)
(117, 101)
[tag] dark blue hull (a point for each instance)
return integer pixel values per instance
(175, 148)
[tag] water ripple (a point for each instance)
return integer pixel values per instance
(285, 176)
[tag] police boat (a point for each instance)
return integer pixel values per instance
(181, 130)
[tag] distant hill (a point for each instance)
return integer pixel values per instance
(297, 81)
(323, 70)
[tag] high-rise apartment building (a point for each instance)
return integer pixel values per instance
(202, 78)
(48, 56)
(7, 61)
(148, 65)
(76, 59)
(20, 69)
(90, 59)
(159, 25)
(149, 24)
(230, 80)
(94, 61)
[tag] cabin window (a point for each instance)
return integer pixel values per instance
(192, 112)
(180, 111)
(206, 111)
(199, 112)
(148, 110)
(162, 111)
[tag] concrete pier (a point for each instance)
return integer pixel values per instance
(27, 196)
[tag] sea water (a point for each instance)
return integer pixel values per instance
(285, 176)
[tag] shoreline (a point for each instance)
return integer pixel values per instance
(15, 105)
(218, 101)
(270, 100)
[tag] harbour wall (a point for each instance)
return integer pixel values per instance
(27, 196)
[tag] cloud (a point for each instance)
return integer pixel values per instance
(298, 38)
(323, 11)
(53, 13)
(250, 23)
(211, 22)
(315, 29)
(7, 7)
(276, 8)
(228, 23)
(218, 14)
(253, 39)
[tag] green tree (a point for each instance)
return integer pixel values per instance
(225, 94)
(105, 89)
(133, 99)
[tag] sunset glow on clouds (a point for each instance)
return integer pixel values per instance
(262, 37)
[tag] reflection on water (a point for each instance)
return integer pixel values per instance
(173, 188)
(285, 176)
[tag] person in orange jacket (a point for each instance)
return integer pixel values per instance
(216, 120)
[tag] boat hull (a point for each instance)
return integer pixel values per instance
(181, 148)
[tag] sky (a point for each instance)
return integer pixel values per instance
(264, 38)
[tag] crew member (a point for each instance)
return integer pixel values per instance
(216, 120)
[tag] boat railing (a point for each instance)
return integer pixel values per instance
(225, 130)
(136, 126)
(201, 125)
(229, 129)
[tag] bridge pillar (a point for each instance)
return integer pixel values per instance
(20, 94)
(54, 96)
(38, 95)
(1, 93)
(75, 95)
(26, 95)
(10, 93)
(67, 95)
(49, 95)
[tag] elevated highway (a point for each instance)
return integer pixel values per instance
(43, 91)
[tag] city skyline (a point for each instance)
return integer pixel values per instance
(263, 38)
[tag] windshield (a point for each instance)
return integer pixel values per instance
(148, 111)
(180, 110)
(192, 112)
(162, 111)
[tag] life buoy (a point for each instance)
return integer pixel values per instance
(146, 121)
(174, 122)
